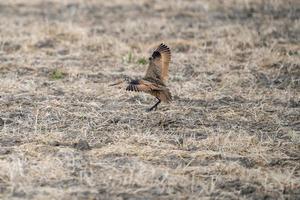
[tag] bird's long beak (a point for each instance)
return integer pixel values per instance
(117, 83)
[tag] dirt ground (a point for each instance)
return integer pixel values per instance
(231, 132)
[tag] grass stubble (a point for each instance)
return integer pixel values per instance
(232, 131)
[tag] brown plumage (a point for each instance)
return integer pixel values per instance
(156, 75)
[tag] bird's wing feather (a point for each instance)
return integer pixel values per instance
(159, 63)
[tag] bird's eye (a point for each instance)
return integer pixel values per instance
(150, 58)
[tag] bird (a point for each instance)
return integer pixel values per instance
(154, 80)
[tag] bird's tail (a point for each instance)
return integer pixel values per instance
(165, 96)
(168, 96)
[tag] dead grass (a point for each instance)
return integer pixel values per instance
(232, 131)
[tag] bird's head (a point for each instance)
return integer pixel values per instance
(127, 78)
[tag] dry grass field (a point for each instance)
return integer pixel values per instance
(231, 132)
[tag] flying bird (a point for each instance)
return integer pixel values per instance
(154, 80)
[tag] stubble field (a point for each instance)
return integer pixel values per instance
(231, 132)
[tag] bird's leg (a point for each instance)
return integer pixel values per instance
(155, 106)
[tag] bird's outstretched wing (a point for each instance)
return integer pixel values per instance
(143, 86)
(159, 63)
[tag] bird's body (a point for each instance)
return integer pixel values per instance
(156, 75)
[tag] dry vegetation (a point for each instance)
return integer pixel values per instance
(232, 131)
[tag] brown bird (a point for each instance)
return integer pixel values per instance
(156, 75)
